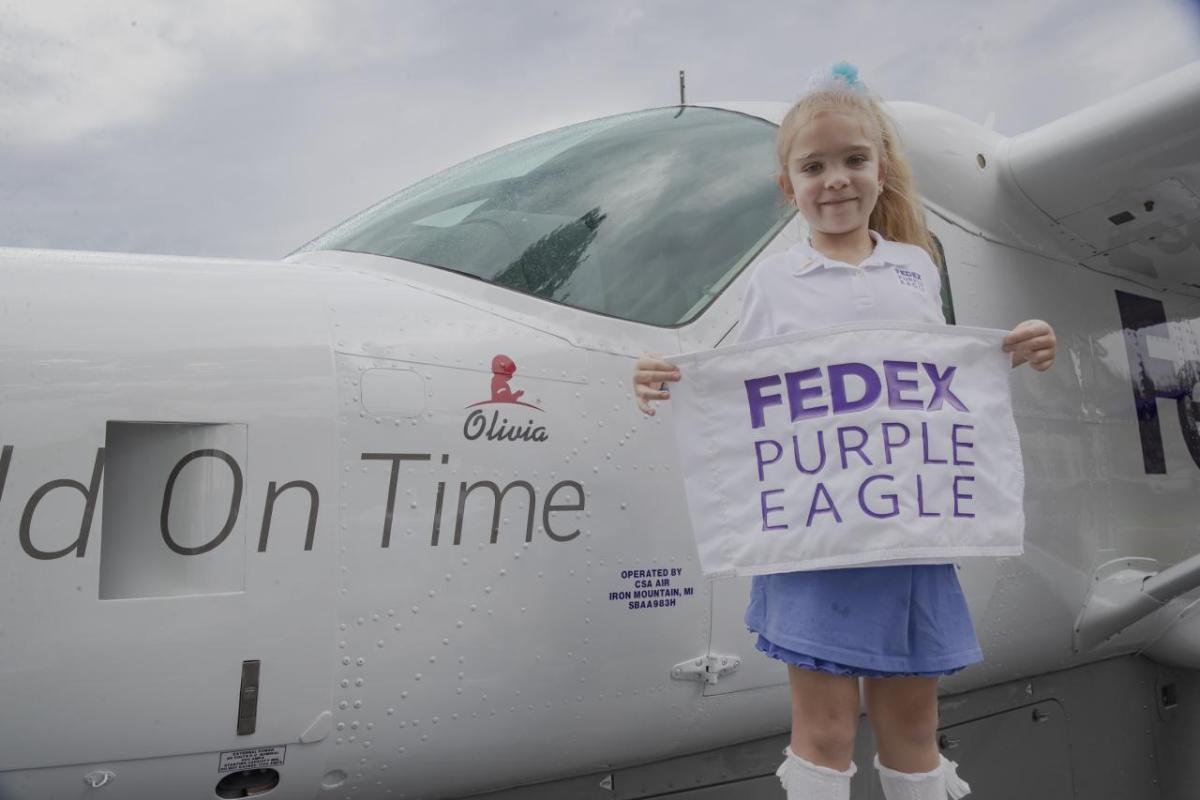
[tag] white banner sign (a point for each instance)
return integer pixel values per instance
(858, 445)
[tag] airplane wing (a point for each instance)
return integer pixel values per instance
(1118, 183)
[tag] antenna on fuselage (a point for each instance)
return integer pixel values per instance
(682, 96)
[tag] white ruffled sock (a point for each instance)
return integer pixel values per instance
(803, 780)
(935, 785)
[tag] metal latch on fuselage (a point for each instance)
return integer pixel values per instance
(705, 668)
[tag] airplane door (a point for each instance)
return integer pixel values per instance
(729, 597)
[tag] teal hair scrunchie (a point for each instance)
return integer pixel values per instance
(840, 77)
(848, 73)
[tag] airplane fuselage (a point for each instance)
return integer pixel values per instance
(427, 511)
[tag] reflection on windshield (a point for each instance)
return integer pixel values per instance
(644, 216)
(547, 264)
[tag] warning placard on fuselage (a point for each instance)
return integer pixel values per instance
(252, 758)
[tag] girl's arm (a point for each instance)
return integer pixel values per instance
(1033, 341)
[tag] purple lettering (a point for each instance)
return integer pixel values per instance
(813, 510)
(855, 448)
(955, 444)
(941, 388)
(896, 384)
(758, 455)
(766, 509)
(888, 444)
(925, 445)
(837, 386)
(758, 401)
(921, 499)
(796, 393)
(863, 503)
(958, 478)
(820, 448)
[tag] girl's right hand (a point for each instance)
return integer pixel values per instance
(650, 375)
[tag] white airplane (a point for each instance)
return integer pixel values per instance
(381, 520)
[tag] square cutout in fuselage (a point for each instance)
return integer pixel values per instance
(173, 521)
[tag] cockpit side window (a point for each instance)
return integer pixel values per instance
(645, 216)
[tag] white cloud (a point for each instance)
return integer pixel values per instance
(245, 128)
(72, 69)
(1124, 46)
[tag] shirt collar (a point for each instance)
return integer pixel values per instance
(810, 258)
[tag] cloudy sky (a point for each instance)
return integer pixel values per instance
(246, 127)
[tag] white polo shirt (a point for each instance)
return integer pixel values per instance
(800, 289)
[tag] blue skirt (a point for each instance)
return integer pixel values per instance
(880, 621)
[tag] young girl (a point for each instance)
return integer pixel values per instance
(898, 627)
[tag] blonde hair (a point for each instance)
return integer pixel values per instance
(898, 214)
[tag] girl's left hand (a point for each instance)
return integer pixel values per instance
(1033, 341)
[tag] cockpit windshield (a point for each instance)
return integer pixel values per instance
(644, 216)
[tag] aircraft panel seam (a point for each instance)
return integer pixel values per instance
(1064, 262)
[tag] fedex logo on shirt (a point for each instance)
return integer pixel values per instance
(908, 277)
(894, 383)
